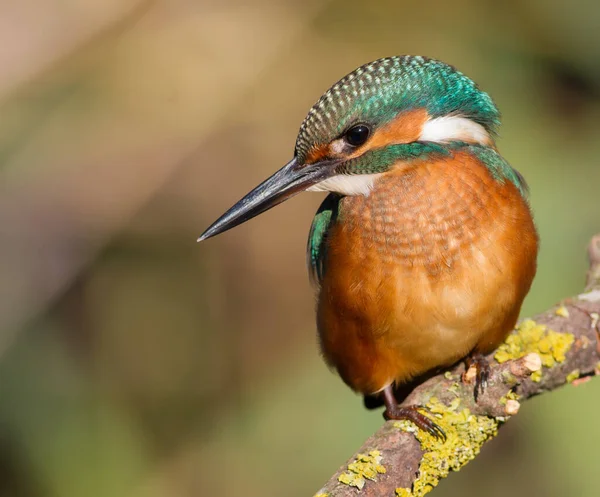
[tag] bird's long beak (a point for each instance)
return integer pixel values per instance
(291, 179)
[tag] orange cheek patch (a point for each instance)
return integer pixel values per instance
(317, 153)
(405, 128)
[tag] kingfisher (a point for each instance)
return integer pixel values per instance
(425, 246)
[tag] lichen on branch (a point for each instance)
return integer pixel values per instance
(465, 435)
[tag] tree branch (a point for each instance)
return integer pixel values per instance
(561, 345)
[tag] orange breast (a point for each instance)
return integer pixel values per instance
(433, 264)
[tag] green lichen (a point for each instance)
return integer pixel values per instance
(573, 375)
(465, 434)
(530, 337)
(509, 379)
(364, 467)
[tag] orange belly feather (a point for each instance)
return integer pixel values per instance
(432, 265)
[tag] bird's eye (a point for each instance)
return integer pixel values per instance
(357, 135)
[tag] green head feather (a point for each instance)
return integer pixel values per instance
(376, 92)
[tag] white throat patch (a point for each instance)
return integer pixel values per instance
(449, 128)
(347, 184)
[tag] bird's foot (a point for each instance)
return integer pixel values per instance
(482, 372)
(410, 413)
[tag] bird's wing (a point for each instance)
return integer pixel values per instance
(316, 248)
(500, 169)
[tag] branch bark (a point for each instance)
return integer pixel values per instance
(399, 460)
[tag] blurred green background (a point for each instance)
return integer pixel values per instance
(134, 362)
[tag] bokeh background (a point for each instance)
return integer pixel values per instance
(135, 362)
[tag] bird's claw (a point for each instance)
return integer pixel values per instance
(411, 413)
(482, 373)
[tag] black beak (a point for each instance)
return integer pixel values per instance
(291, 179)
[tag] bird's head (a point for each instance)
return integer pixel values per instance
(393, 110)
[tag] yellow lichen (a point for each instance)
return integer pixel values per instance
(573, 375)
(465, 434)
(511, 395)
(562, 311)
(448, 375)
(454, 388)
(454, 404)
(530, 337)
(322, 494)
(364, 467)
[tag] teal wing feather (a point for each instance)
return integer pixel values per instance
(500, 168)
(316, 249)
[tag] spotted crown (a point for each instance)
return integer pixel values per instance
(376, 92)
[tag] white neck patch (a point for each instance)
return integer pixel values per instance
(449, 128)
(347, 184)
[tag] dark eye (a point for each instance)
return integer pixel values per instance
(357, 135)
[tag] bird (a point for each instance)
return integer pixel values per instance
(425, 246)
